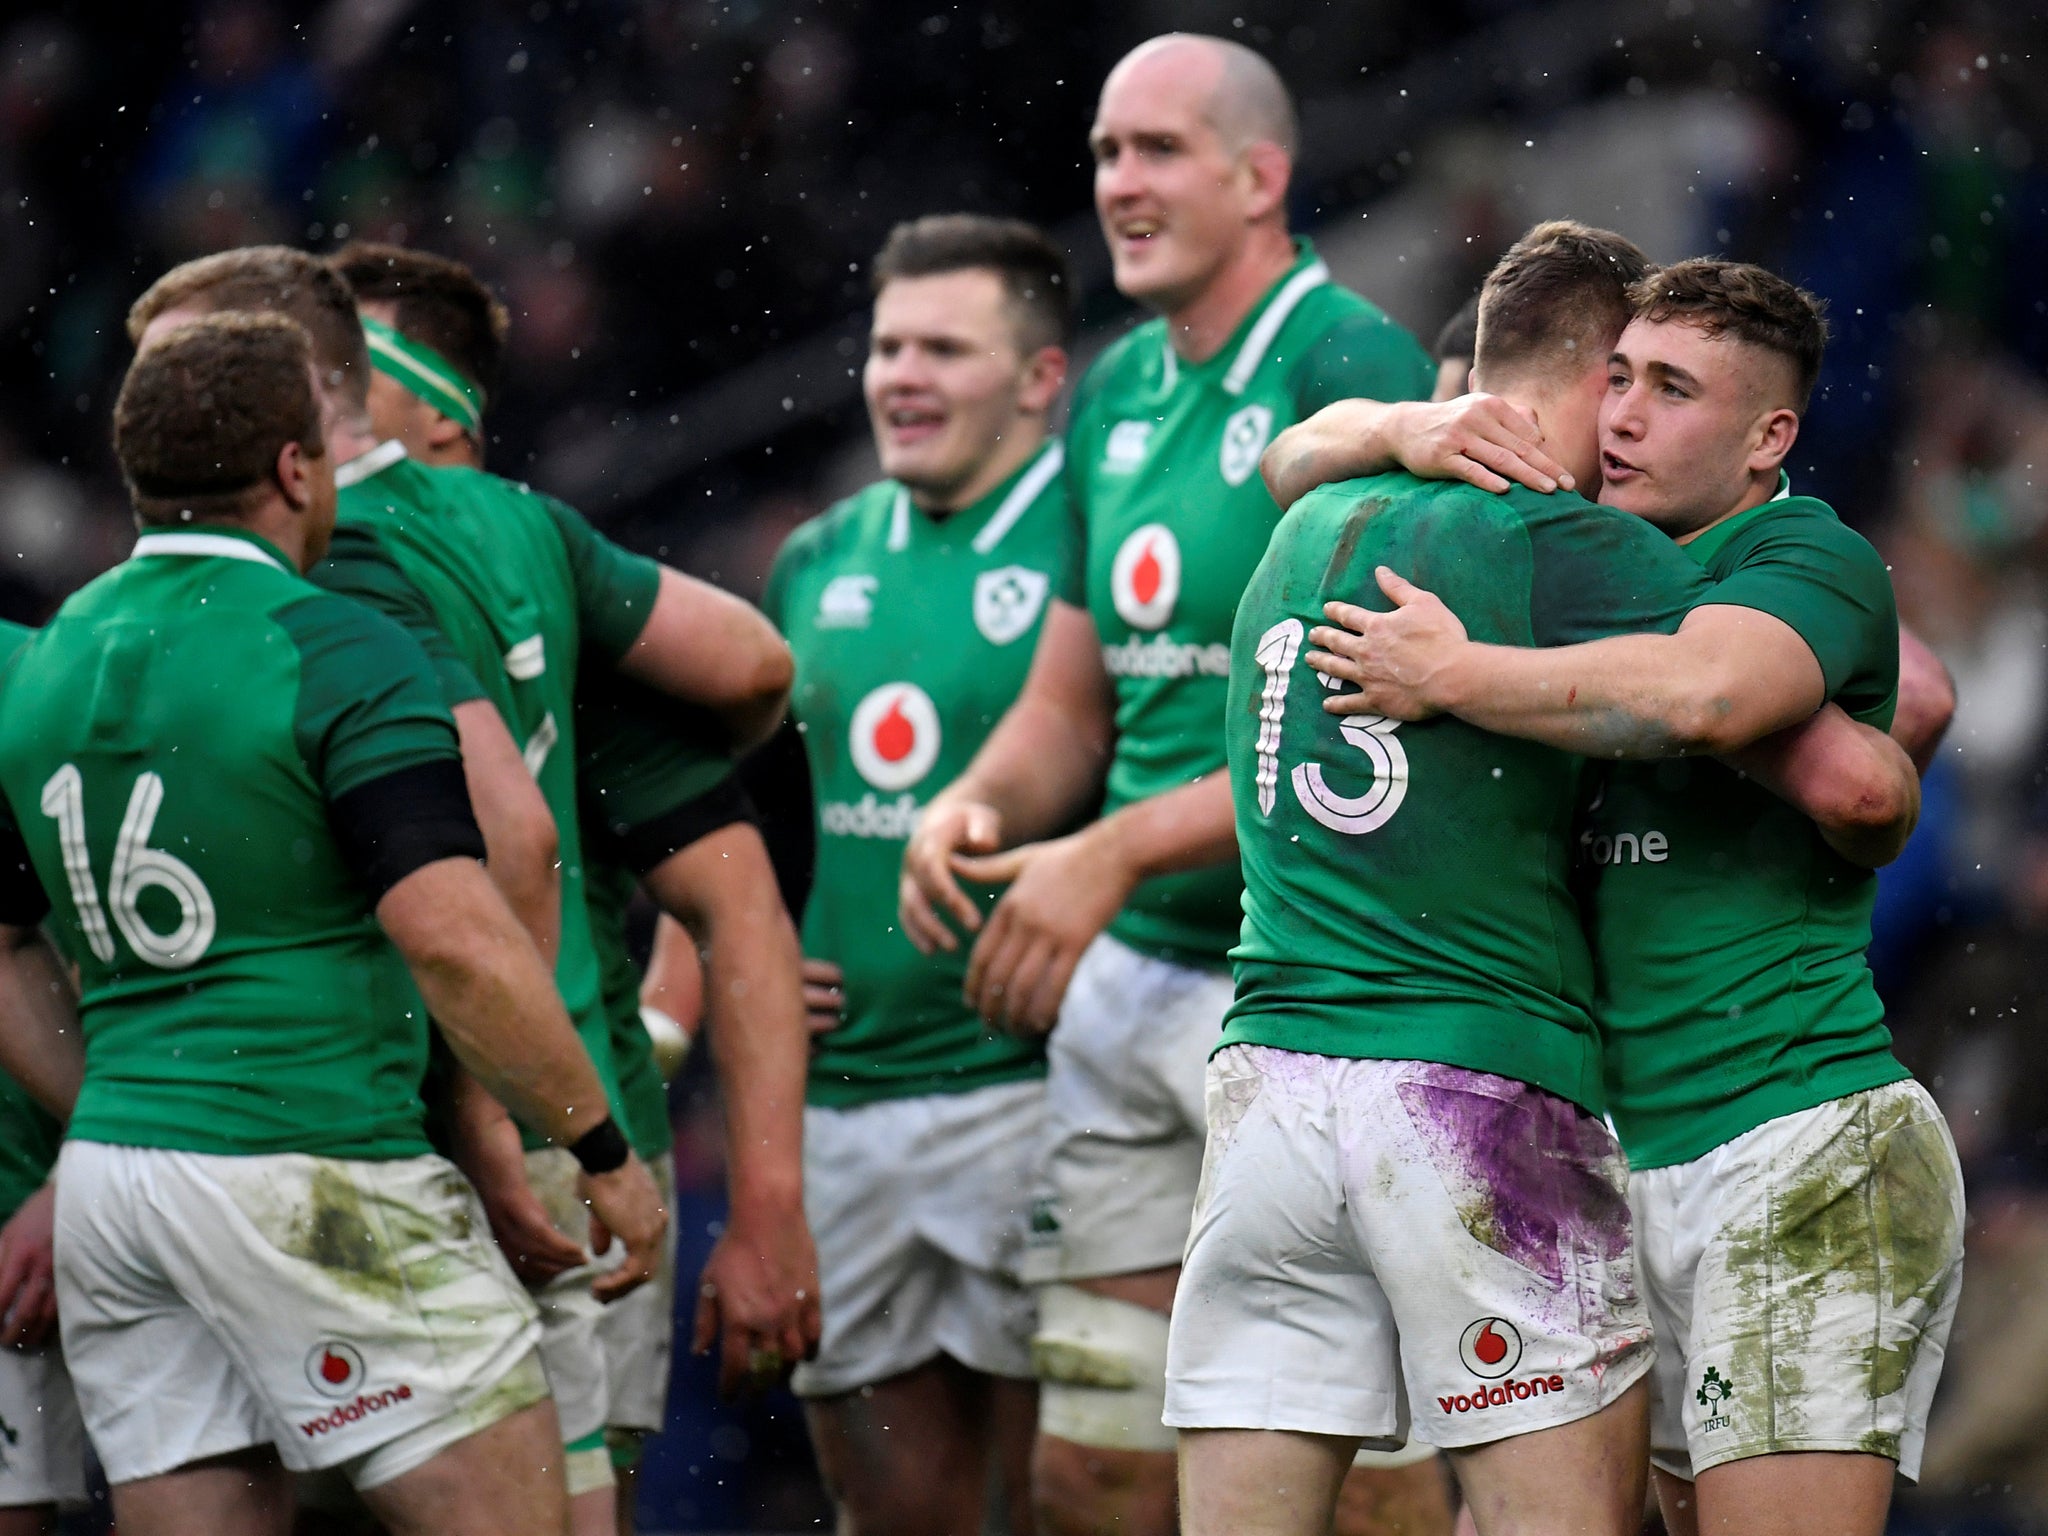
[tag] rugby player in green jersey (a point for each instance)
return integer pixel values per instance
(660, 809)
(1193, 144)
(517, 588)
(912, 607)
(1797, 1200)
(257, 1254)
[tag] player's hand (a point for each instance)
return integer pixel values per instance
(486, 1148)
(625, 1201)
(28, 1286)
(1480, 439)
(824, 996)
(758, 1296)
(927, 888)
(1062, 894)
(1395, 660)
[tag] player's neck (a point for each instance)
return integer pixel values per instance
(275, 522)
(1762, 487)
(1015, 449)
(349, 438)
(1200, 327)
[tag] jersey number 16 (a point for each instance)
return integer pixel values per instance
(1353, 815)
(137, 867)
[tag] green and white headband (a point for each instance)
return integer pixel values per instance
(420, 369)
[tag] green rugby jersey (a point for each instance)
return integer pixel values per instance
(1163, 462)
(1728, 937)
(518, 586)
(641, 756)
(1407, 890)
(912, 635)
(29, 1134)
(170, 747)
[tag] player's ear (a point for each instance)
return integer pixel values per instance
(293, 473)
(1268, 169)
(1045, 373)
(443, 432)
(1776, 432)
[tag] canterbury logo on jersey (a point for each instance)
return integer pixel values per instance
(1144, 579)
(1125, 450)
(848, 602)
(894, 738)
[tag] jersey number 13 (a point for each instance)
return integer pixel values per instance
(1353, 815)
(137, 868)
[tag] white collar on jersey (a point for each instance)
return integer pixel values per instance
(1026, 491)
(1784, 486)
(1260, 338)
(222, 545)
(370, 462)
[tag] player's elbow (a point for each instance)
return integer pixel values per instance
(1704, 722)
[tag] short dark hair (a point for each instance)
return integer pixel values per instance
(205, 411)
(1459, 337)
(272, 279)
(1557, 300)
(438, 301)
(1750, 303)
(1033, 270)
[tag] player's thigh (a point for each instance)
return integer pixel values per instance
(1406, 1494)
(1095, 1490)
(504, 1480)
(1810, 1493)
(1826, 1289)
(1583, 1478)
(246, 1493)
(909, 1454)
(1673, 1212)
(1260, 1482)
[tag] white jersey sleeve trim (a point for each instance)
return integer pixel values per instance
(1253, 352)
(899, 522)
(1022, 495)
(364, 465)
(209, 544)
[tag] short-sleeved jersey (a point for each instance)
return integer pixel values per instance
(170, 746)
(29, 1134)
(1407, 886)
(912, 635)
(517, 586)
(1728, 937)
(1163, 461)
(640, 758)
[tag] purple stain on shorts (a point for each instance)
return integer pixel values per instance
(1533, 1176)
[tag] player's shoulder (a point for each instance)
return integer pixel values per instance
(321, 623)
(836, 530)
(1133, 361)
(1810, 523)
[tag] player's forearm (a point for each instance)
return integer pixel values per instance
(1856, 783)
(674, 979)
(40, 1044)
(1039, 768)
(485, 985)
(1927, 700)
(1192, 827)
(706, 647)
(1339, 442)
(520, 840)
(723, 890)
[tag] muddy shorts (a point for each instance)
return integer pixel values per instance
(42, 1442)
(1802, 1279)
(570, 1312)
(918, 1206)
(1365, 1224)
(352, 1314)
(1124, 1114)
(638, 1331)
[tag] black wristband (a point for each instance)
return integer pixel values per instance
(601, 1148)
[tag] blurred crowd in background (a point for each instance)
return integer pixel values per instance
(678, 200)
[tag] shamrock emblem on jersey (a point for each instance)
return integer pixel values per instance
(1007, 602)
(1144, 579)
(1244, 439)
(894, 738)
(1715, 1389)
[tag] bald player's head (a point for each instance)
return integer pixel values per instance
(1242, 96)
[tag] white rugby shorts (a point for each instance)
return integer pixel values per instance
(638, 1331)
(570, 1313)
(42, 1440)
(918, 1206)
(353, 1314)
(1802, 1279)
(1124, 1114)
(1363, 1224)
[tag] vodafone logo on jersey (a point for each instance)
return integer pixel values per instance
(1490, 1348)
(1144, 581)
(895, 736)
(334, 1369)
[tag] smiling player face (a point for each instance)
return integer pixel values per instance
(1174, 200)
(1691, 424)
(947, 384)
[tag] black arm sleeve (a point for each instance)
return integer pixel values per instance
(404, 820)
(641, 848)
(23, 901)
